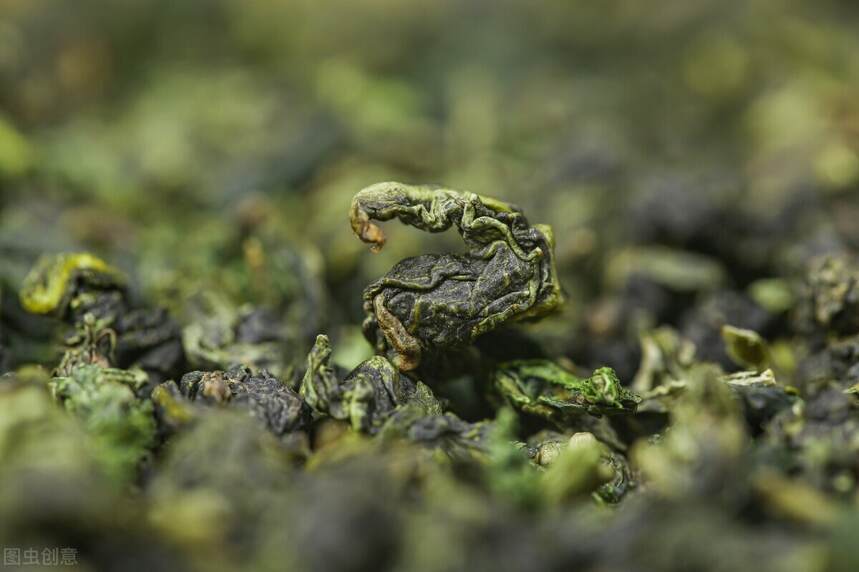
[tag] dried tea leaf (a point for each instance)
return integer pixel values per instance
(746, 347)
(366, 396)
(437, 301)
(544, 389)
(262, 396)
(109, 329)
(120, 425)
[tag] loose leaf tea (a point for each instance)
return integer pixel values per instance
(621, 334)
(543, 388)
(108, 328)
(364, 397)
(446, 300)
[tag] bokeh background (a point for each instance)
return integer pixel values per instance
(685, 152)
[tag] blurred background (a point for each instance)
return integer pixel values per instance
(689, 155)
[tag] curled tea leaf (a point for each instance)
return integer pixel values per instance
(447, 300)
(120, 425)
(544, 389)
(54, 281)
(367, 395)
(109, 328)
(278, 408)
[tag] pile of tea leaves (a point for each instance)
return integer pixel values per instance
(229, 438)
(430, 286)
